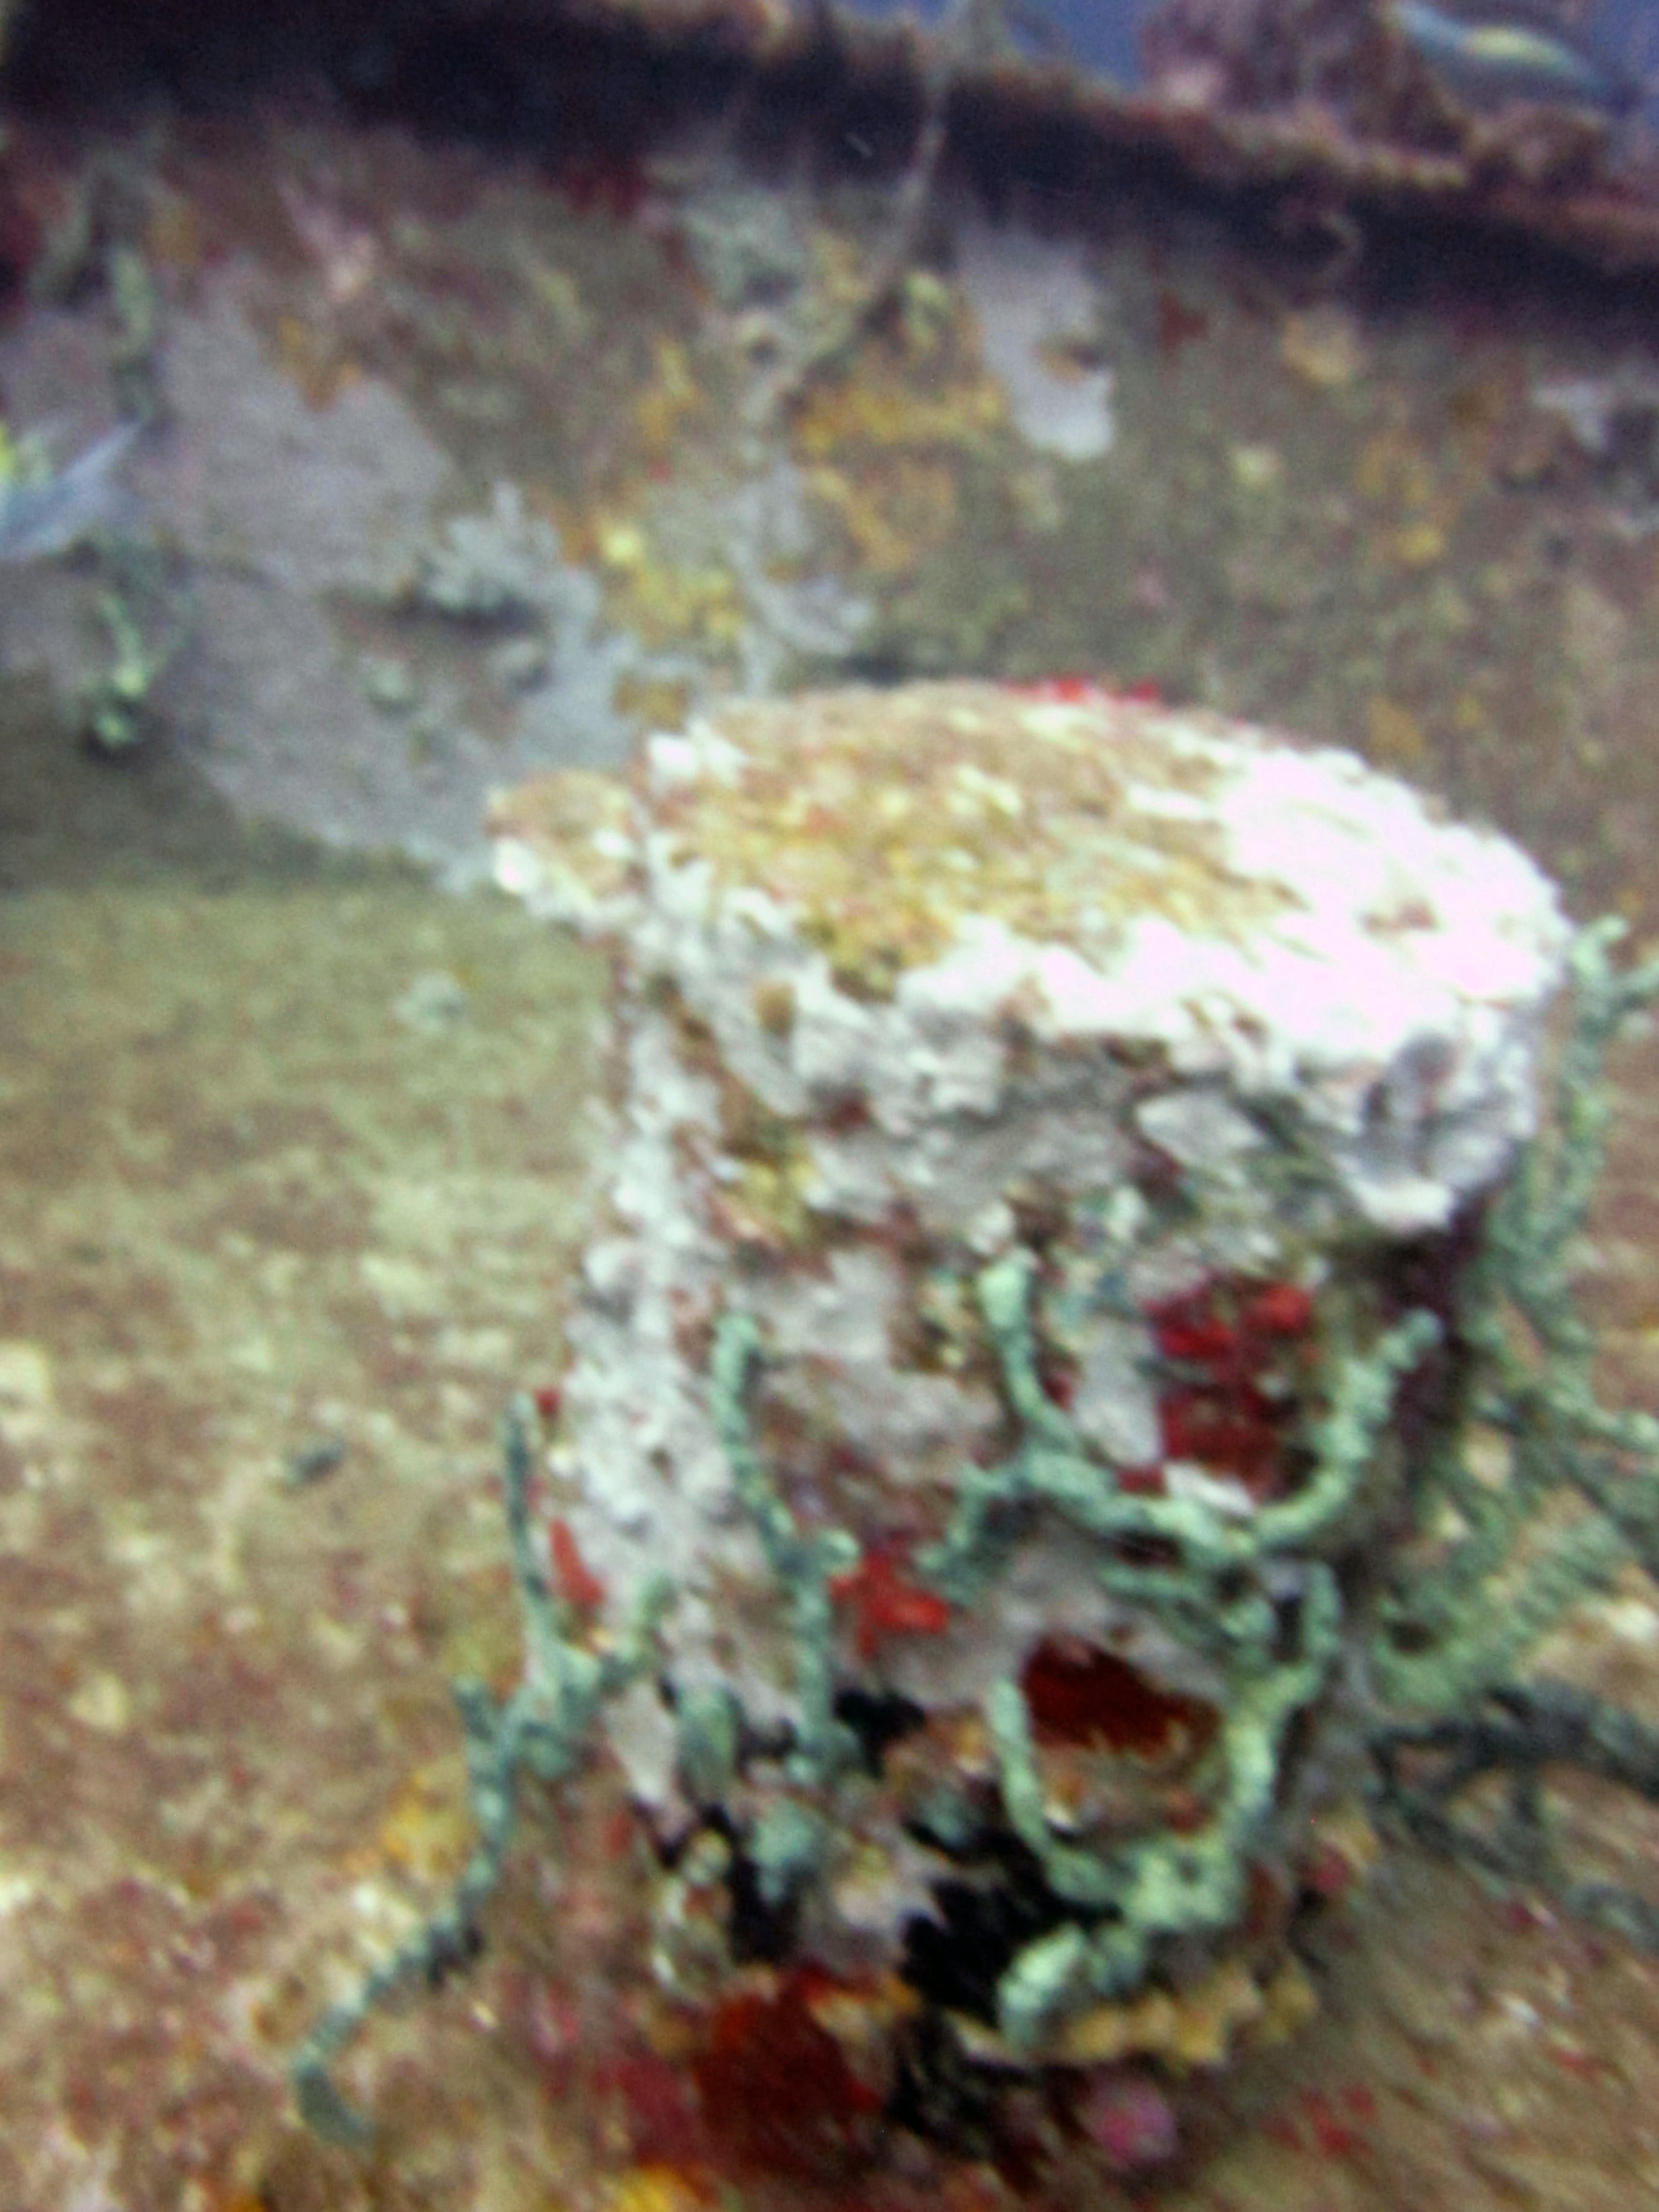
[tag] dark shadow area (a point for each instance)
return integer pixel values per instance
(590, 99)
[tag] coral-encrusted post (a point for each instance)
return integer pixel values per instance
(1030, 1107)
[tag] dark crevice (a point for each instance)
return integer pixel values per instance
(759, 1933)
(878, 1722)
(957, 1957)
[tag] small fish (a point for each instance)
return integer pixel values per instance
(48, 511)
(314, 1460)
(1490, 59)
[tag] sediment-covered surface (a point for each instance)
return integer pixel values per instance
(289, 1165)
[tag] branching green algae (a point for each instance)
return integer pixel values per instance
(804, 1565)
(1458, 1630)
(1260, 1598)
(1052, 1468)
(1578, 1497)
(541, 1731)
(1208, 1592)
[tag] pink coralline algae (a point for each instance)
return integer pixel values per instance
(1128, 2118)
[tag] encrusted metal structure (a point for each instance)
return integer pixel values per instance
(1324, 120)
(1045, 1309)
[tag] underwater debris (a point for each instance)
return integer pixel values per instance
(1038, 1012)
(984, 1746)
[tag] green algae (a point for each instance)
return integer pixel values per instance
(1584, 1475)
(541, 1730)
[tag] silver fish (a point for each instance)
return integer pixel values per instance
(45, 515)
(1492, 58)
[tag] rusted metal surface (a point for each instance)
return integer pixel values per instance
(1376, 141)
